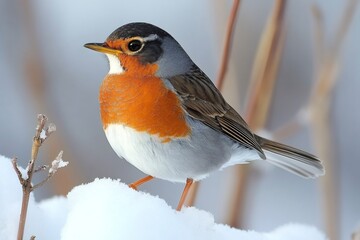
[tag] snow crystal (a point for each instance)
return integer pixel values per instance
(109, 209)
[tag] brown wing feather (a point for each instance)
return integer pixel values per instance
(203, 101)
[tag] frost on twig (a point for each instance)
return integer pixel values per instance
(55, 165)
(41, 134)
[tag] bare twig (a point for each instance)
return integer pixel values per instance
(318, 33)
(36, 82)
(344, 26)
(56, 164)
(41, 168)
(320, 58)
(220, 79)
(264, 73)
(263, 81)
(320, 102)
(41, 134)
(16, 168)
(227, 46)
(318, 110)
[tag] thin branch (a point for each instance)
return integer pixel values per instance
(41, 168)
(42, 119)
(295, 124)
(266, 64)
(264, 76)
(18, 173)
(26, 183)
(42, 182)
(327, 61)
(344, 25)
(221, 77)
(318, 33)
(227, 46)
(35, 79)
(41, 134)
(319, 105)
(55, 165)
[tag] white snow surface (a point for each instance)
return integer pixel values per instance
(109, 209)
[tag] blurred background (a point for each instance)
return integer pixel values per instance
(45, 69)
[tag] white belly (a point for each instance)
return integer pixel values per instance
(195, 157)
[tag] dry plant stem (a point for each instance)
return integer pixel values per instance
(37, 83)
(227, 47)
(344, 25)
(221, 76)
(265, 68)
(16, 168)
(320, 105)
(294, 124)
(41, 168)
(26, 183)
(235, 211)
(320, 102)
(319, 34)
(40, 136)
(262, 84)
(325, 150)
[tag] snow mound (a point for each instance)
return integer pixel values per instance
(109, 209)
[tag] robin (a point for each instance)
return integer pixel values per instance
(165, 116)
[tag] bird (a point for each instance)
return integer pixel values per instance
(163, 114)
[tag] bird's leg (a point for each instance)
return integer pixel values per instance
(137, 183)
(189, 181)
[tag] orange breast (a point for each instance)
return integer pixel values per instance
(142, 102)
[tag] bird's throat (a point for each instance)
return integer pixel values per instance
(114, 64)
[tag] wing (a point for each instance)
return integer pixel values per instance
(203, 101)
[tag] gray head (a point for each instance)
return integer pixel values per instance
(145, 44)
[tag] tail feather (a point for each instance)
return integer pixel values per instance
(291, 159)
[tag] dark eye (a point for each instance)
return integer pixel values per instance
(135, 45)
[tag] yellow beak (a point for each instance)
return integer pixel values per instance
(102, 47)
